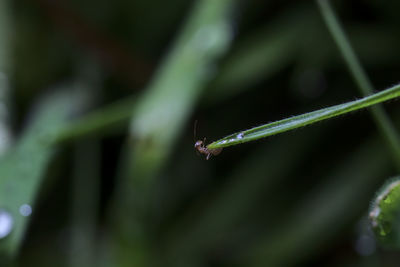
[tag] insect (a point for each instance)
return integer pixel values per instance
(201, 147)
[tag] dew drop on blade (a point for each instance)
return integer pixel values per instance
(6, 223)
(240, 136)
(25, 210)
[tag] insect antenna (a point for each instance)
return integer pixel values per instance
(194, 130)
(194, 135)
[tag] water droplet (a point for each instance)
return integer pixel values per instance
(223, 141)
(232, 139)
(6, 223)
(25, 210)
(239, 136)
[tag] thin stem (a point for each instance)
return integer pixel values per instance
(97, 120)
(305, 119)
(360, 77)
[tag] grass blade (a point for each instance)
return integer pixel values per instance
(104, 119)
(157, 119)
(304, 119)
(23, 168)
(360, 77)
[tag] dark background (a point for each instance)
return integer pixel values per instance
(296, 199)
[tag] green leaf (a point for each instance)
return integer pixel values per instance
(22, 169)
(159, 116)
(304, 119)
(162, 110)
(262, 54)
(384, 214)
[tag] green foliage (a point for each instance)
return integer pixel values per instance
(23, 168)
(107, 164)
(304, 119)
(360, 77)
(385, 214)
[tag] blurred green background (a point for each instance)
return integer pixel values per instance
(98, 103)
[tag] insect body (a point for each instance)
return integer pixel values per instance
(202, 148)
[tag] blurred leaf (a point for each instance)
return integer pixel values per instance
(385, 214)
(162, 110)
(262, 54)
(24, 167)
(159, 117)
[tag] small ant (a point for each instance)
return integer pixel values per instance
(202, 148)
